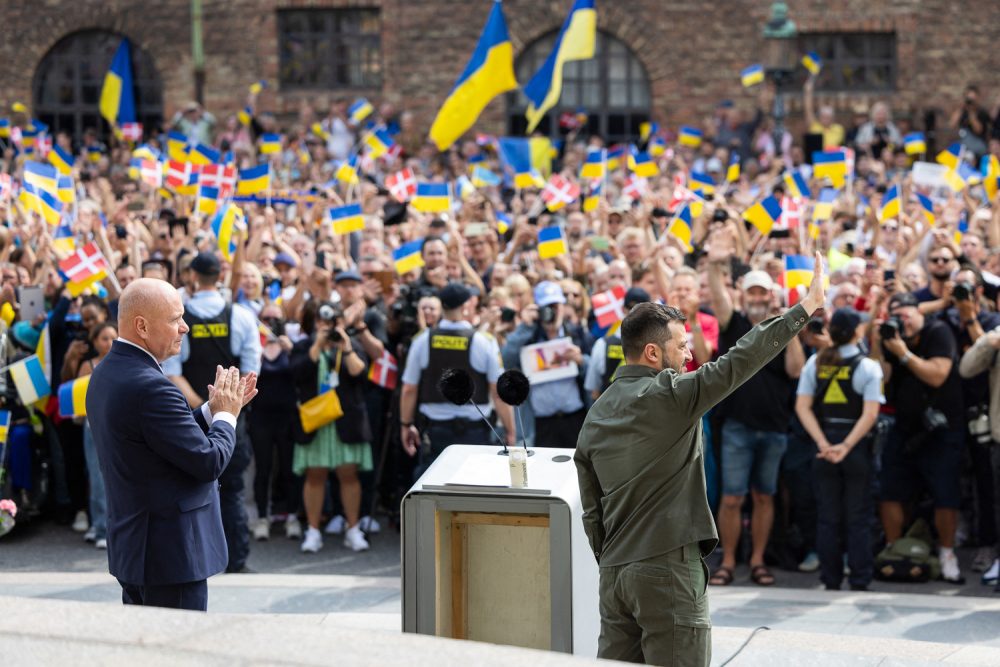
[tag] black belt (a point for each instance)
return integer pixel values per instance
(561, 415)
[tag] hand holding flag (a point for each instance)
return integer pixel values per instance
(816, 296)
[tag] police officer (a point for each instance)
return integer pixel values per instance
(839, 394)
(225, 334)
(606, 355)
(453, 343)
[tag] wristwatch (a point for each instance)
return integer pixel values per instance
(406, 424)
(969, 323)
(905, 359)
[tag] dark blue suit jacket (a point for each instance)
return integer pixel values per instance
(161, 463)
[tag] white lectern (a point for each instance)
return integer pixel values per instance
(488, 562)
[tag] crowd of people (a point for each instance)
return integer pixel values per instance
(884, 411)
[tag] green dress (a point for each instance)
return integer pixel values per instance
(327, 450)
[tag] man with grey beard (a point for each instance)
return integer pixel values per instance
(756, 418)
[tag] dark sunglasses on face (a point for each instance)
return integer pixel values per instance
(939, 260)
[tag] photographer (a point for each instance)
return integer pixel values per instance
(972, 122)
(969, 318)
(924, 448)
(330, 359)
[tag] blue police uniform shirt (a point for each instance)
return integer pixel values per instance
(484, 356)
(550, 398)
(866, 381)
(594, 379)
(244, 337)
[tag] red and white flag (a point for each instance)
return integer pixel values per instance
(227, 182)
(559, 191)
(151, 173)
(178, 173)
(402, 185)
(609, 307)
(211, 176)
(384, 371)
(791, 213)
(132, 131)
(85, 265)
(634, 187)
(43, 144)
(681, 192)
(393, 153)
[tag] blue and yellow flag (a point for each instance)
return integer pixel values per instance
(224, 226)
(61, 159)
(42, 202)
(432, 198)
(208, 200)
(927, 206)
(701, 184)
(4, 128)
(642, 165)
(681, 226)
(73, 398)
(990, 168)
(647, 130)
(812, 62)
(117, 102)
(689, 136)
(407, 256)
(914, 143)
(63, 241)
(798, 270)
(733, 170)
(614, 157)
(576, 41)
(551, 242)
(483, 177)
(346, 219)
(593, 197)
(347, 171)
(270, 143)
(763, 214)
(832, 165)
(202, 154)
(42, 176)
(4, 425)
(379, 142)
(950, 156)
(488, 73)
(657, 146)
(594, 165)
(360, 110)
(796, 186)
(823, 208)
(177, 146)
(516, 152)
(890, 203)
(64, 190)
(751, 76)
(254, 180)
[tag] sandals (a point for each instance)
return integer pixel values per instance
(721, 577)
(761, 576)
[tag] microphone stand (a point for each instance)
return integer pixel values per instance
(502, 441)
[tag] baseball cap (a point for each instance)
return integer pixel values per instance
(636, 295)
(903, 299)
(846, 320)
(757, 279)
(453, 295)
(285, 258)
(548, 292)
(206, 264)
(350, 274)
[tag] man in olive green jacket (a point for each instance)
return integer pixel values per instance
(642, 481)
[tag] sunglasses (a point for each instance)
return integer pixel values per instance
(938, 260)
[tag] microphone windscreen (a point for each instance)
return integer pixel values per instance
(513, 387)
(456, 386)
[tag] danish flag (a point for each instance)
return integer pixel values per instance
(178, 173)
(211, 175)
(384, 371)
(402, 185)
(791, 213)
(635, 187)
(681, 193)
(85, 265)
(132, 131)
(609, 307)
(151, 173)
(559, 191)
(43, 144)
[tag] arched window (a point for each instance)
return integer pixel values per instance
(612, 88)
(67, 84)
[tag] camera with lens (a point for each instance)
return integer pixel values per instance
(891, 328)
(962, 291)
(815, 326)
(720, 215)
(404, 309)
(330, 313)
(547, 314)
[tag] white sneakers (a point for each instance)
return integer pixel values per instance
(949, 566)
(336, 525)
(991, 575)
(369, 525)
(90, 535)
(313, 542)
(262, 529)
(80, 522)
(101, 543)
(293, 529)
(355, 540)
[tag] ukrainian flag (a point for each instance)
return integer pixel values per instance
(954, 180)
(407, 256)
(642, 165)
(681, 226)
(576, 41)
(832, 165)
(379, 142)
(208, 200)
(963, 227)
(42, 176)
(890, 203)
(432, 198)
(63, 241)
(347, 171)
(812, 62)
(483, 177)
(593, 167)
(990, 168)
(551, 242)
(752, 75)
(796, 185)
(42, 202)
(4, 425)
(927, 206)
(488, 73)
(270, 143)
(914, 143)
(318, 130)
(763, 214)
(689, 136)
(733, 170)
(657, 146)
(146, 152)
(73, 398)
(117, 103)
(503, 222)
(94, 153)
(823, 208)
(464, 187)
(64, 189)
(257, 86)
(647, 129)
(245, 116)
(517, 153)
(254, 180)
(360, 110)
(224, 225)
(177, 146)
(346, 219)
(29, 378)
(614, 157)
(593, 198)
(702, 184)
(950, 156)
(202, 154)
(60, 159)
(798, 270)
(4, 128)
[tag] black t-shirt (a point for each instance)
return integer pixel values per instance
(975, 390)
(764, 402)
(911, 396)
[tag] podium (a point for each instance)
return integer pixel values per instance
(487, 562)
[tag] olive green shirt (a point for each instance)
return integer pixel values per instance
(639, 454)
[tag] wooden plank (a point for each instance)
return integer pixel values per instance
(489, 519)
(458, 579)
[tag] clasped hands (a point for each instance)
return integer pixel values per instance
(230, 392)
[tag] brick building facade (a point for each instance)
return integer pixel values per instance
(686, 54)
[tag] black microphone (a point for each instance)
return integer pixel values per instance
(513, 388)
(457, 386)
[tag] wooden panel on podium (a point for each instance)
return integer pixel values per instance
(493, 578)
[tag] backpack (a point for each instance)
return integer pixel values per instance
(909, 559)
